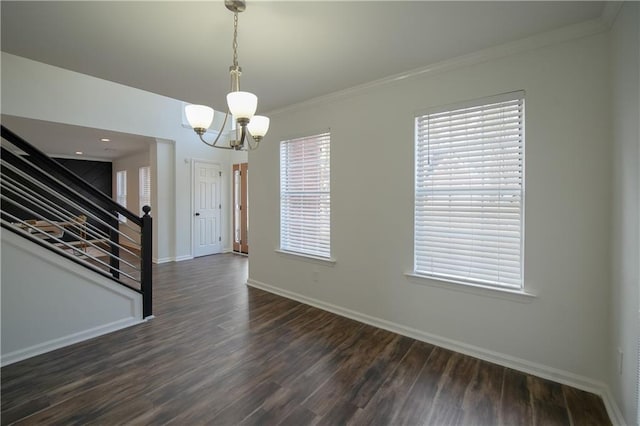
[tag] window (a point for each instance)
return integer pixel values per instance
(121, 191)
(305, 198)
(469, 188)
(144, 188)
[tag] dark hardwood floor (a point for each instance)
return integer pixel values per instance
(221, 353)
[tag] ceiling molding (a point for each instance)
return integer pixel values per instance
(571, 32)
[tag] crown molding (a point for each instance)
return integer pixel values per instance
(576, 31)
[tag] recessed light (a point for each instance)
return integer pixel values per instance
(105, 140)
(79, 152)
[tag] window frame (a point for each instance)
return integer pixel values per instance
(142, 198)
(419, 271)
(121, 192)
(317, 252)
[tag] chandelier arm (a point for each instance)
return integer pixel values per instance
(243, 136)
(224, 122)
(246, 136)
(250, 139)
(214, 144)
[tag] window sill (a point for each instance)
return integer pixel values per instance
(478, 289)
(308, 257)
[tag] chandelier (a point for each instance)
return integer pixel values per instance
(241, 105)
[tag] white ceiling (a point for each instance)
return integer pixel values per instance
(62, 140)
(290, 51)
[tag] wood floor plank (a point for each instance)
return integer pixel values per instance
(347, 379)
(384, 365)
(299, 417)
(390, 396)
(585, 408)
(219, 352)
(457, 378)
(224, 379)
(237, 411)
(515, 406)
(421, 396)
(548, 402)
(320, 348)
(340, 412)
(322, 365)
(482, 399)
(275, 407)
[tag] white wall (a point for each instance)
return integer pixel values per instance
(561, 332)
(625, 251)
(35, 90)
(163, 197)
(49, 302)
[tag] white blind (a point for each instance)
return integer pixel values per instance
(144, 175)
(305, 198)
(469, 192)
(121, 191)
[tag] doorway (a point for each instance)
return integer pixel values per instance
(207, 207)
(240, 208)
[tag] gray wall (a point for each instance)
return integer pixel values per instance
(625, 229)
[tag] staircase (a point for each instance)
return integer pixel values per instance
(90, 256)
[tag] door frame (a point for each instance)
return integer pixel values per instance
(193, 203)
(243, 246)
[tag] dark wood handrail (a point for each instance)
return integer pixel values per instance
(41, 158)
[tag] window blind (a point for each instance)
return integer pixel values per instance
(144, 175)
(305, 198)
(121, 191)
(469, 192)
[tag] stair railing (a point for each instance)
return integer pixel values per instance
(50, 205)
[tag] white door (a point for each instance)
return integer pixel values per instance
(206, 209)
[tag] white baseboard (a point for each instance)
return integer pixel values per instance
(181, 258)
(615, 415)
(60, 342)
(523, 365)
(171, 259)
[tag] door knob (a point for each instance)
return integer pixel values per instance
(197, 214)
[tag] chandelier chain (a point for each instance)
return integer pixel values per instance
(235, 39)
